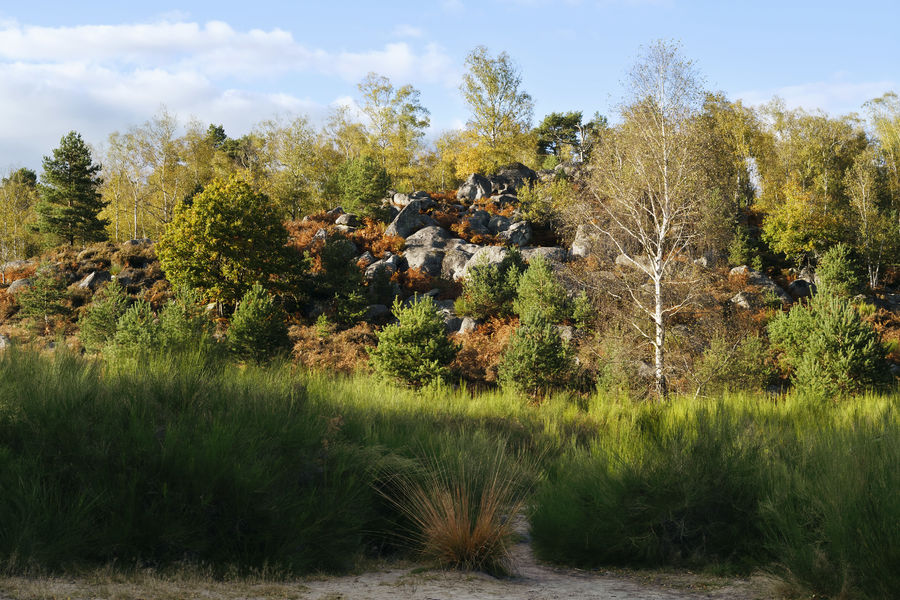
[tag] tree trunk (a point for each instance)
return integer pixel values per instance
(662, 390)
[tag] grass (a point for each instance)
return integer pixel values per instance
(180, 460)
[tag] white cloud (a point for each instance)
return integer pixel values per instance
(99, 78)
(407, 31)
(836, 97)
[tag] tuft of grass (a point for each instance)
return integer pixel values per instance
(461, 508)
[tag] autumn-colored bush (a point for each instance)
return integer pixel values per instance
(482, 350)
(414, 281)
(343, 351)
(18, 272)
(8, 305)
(446, 218)
(371, 237)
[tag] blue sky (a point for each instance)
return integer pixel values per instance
(102, 66)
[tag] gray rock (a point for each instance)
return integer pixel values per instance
(475, 187)
(478, 222)
(138, 242)
(498, 223)
(348, 219)
(392, 260)
(420, 195)
(553, 254)
(583, 243)
(5, 342)
(702, 262)
(801, 288)
(518, 234)
(410, 219)
(320, 235)
(504, 199)
(454, 264)
(468, 325)
(337, 210)
(511, 177)
(365, 259)
(94, 280)
(14, 265)
(431, 237)
(377, 311)
(566, 332)
(426, 260)
(19, 285)
(400, 199)
(631, 262)
(742, 300)
(377, 266)
(486, 254)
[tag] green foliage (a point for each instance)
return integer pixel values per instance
(97, 326)
(583, 311)
(839, 273)
(558, 133)
(490, 289)
(339, 284)
(539, 292)
(415, 350)
(742, 250)
(224, 241)
(258, 331)
(45, 298)
(362, 183)
(71, 201)
(828, 348)
(543, 203)
(536, 359)
(732, 366)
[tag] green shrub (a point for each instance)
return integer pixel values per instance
(184, 322)
(828, 348)
(536, 359)
(97, 326)
(539, 292)
(839, 273)
(137, 331)
(416, 349)
(339, 284)
(362, 183)
(490, 289)
(727, 365)
(258, 331)
(44, 299)
(583, 311)
(543, 202)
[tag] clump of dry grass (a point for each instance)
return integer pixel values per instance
(462, 506)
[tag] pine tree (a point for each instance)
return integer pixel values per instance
(70, 197)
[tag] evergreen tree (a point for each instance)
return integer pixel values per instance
(70, 196)
(258, 331)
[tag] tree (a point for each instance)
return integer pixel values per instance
(874, 228)
(70, 197)
(415, 350)
(44, 298)
(501, 111)
(397, 123)
(536, 359)
(18, 196)
(224, 240)
(558, 133)
(645, 190)
(362, 183)
(258, 331)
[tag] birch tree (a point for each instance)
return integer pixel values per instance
(646, 187)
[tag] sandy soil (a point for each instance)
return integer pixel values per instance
(533, 581)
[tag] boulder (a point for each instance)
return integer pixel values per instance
(467, 325)
(583, 242)
(478, 222)
(320, 236)
(475, 187)
(511, 177)
(553, 254)
(19, 285)
(431, 237)
(801, 288)
(94, 280)
(410, 219)
(378, 266)
(375, 312)
(566, 332)
(426, 260)
(486, 254)
(365, 259)
(420, 195)
(14, 265)
(400, 199)
(518, 234)
(498, 224)
(337, 210)
(348, 219)
(454, 264)
(4, 342)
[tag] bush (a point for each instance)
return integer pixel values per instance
(258, 331)
(490, 289)
(415, 350)
(839, 273)
(828, 348)
(539, 292)
(733, 366)
(536, 359)
(44, 299)
(583, 311)
(98, 324)
(339, 282)
(362, 183)
(543, 203)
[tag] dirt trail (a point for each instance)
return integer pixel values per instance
(533, 581)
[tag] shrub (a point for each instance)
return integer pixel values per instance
(490, 289)
(258, 331)
(583, 311)
(44, 299)
(338, 281)
(137, 331)
(542, 202)
(839, 273)
(728, 365)
(184, 322)
(540, 292)
(98, 324)
(536, 359)
(362, 183)
(829, 349)
(415, 350)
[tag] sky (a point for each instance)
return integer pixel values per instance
(104, 66)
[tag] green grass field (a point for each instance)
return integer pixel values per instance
(170, 460)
